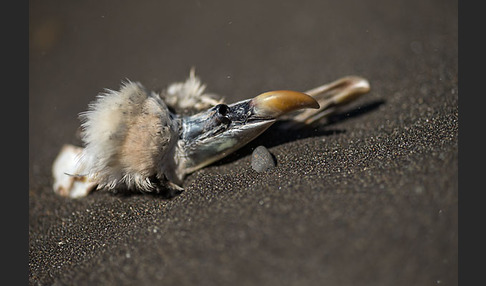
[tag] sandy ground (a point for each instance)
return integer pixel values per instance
(369, 197)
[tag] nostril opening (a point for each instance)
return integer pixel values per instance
(223, 109)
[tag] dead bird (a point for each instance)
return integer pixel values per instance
(134, 139)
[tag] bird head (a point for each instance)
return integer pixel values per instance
(217, 132)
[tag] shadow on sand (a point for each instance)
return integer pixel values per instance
(278, 134)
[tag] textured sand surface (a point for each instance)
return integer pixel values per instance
(369, 197)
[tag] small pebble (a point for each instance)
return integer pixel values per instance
(262, 160)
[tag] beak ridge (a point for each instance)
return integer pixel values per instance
(276, 103)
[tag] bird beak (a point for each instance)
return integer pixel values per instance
(213, 134)
(274, 104)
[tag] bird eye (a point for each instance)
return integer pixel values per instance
(222, 109)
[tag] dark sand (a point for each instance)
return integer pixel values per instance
(369, 197)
